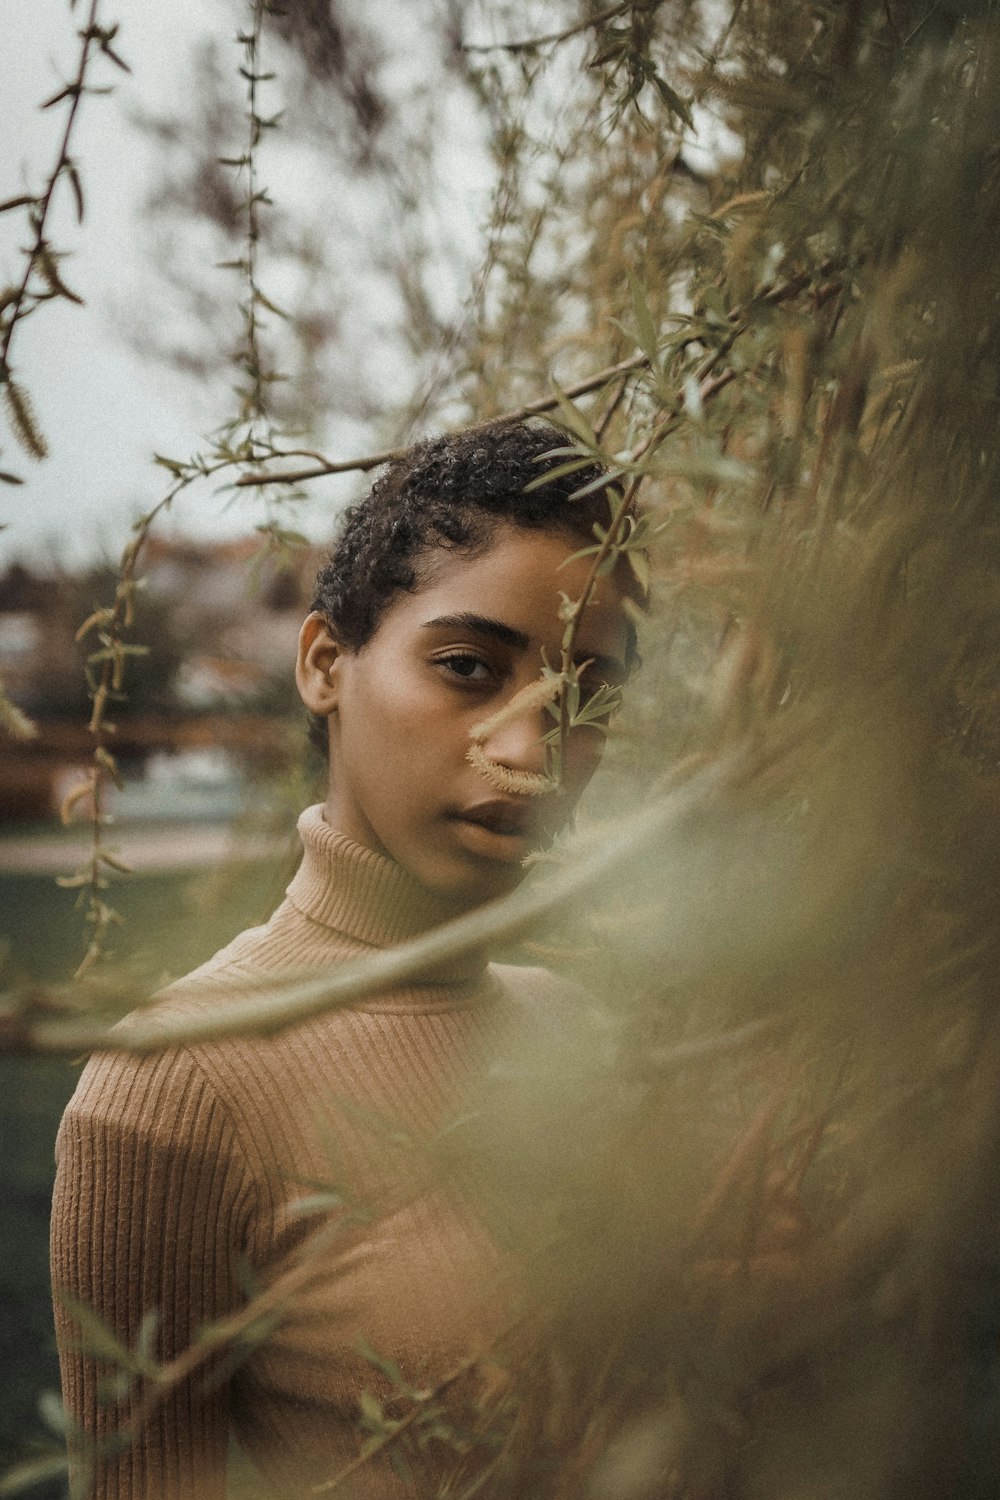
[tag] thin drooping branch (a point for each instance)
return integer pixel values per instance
(612, 539)
(375, 460)
(624, 368)
(552, 37)
(92, 35)
(273, 1009)
(112, 624)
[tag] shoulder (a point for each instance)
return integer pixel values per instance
(158, 1096)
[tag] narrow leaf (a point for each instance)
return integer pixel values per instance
(32, 1472)
(639, 563)
(574, 419)
(644, 325)
(673, 101)
(49, 267)
(97, 1338)
(22, 420)
(573, 466)
(76, 185)
(115, 57)
(113, 863)
(14, 721)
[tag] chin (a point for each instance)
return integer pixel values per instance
(473, 884)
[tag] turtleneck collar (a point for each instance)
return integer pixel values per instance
(366, 896)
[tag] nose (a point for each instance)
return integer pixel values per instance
(518, 743)
(511, 740)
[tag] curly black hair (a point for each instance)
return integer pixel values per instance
(450, 492)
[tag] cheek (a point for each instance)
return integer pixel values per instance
(394, 725)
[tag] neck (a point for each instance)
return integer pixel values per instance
(365, 896)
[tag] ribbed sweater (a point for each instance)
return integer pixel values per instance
(180, 1185)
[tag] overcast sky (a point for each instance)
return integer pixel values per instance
(104, 410)
(101, 410)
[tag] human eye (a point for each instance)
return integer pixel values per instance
(467, 667)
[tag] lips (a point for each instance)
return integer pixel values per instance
(508, 819)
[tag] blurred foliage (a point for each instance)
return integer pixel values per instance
(754, 1181)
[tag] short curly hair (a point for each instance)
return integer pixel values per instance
(449, 492)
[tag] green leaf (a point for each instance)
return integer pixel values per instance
(639, 563)
(603, 480)
(317, 1203)
(574, 419)
(715, 308)
(53, 1413)
(371, 1409)
(145, 1343)
(33, 1472)
(96, 1339)
(388, 1367)
(575, 557)
(645, 327)
(573, 466)
(114, 863)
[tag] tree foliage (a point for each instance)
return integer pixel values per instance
(758, 1199)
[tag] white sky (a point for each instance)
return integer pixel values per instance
(102, 411)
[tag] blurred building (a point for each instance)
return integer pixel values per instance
(218, 622)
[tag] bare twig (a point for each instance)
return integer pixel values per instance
(375, 460)
(531, 43)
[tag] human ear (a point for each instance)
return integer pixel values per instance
(317, 665)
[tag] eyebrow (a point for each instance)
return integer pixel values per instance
(507, 635)
(482, 625)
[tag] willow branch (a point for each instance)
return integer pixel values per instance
(375, 460)
(74, 92)
(273, 1010)
(529, 45)
(708, 387)
(625, 367)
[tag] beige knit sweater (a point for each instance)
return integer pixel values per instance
(180, 1187)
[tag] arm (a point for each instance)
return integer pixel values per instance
(146, 1219)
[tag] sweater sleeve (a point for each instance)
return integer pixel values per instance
(147, 1222)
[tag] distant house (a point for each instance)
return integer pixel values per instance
(220, 622)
